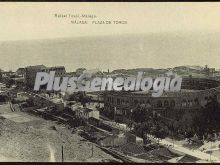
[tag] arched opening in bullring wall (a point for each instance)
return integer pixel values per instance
(172, 103)
(190, 103)
(148, 104)
(135, 102)
(196, 101)
(184, 103)
(166, 103)
(159, 104)
(118, 101)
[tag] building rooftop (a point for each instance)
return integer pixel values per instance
(84, 109)
(55, 67)
(188, 159)
(132, 148)
(36, 67)
(20, 69)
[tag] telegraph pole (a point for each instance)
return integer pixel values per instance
(92, 140)
(62, 154)
(172, 138)
(114, 112)
(92, 150)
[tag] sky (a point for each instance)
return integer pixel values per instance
(30, 22)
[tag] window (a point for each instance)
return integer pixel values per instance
(122, 101)
(184, 103)
(172, 103)
(159, 103)
(190, 102)
(166, 103)
(148, 103)
(196, 101)
(118, 101)
(135, 102)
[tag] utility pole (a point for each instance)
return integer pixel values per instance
(172, 138)
(210, 154)
(62, 154)
(92, 140)
(92, 150)
(114, 112)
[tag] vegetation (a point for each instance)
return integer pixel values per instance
(80, 97)
(208, 120)
(204, 124)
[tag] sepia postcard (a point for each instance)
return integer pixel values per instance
(110, 82)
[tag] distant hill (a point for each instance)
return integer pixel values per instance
(147, 71)
(151, 71)
(189, 68)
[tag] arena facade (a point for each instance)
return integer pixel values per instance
(194, 94)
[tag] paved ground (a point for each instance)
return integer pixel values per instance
(5, 108)
(196, 152)
(19, 117)
(212, 146)
(8, 159)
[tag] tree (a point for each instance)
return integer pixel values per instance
(30, 101)
(140, 114)
(208, 120)
(9, 82)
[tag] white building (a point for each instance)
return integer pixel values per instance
(86, 113)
